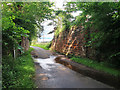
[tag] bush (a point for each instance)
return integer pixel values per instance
(18, 73)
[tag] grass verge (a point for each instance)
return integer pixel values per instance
(45, 46)
(98, 66)
(19, 72)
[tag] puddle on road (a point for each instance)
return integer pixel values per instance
(47, 63)
(44, 78)
(42, 74)
(54, 74)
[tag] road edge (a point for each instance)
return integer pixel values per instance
(90, 72)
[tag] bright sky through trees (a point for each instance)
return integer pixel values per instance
(58, 5)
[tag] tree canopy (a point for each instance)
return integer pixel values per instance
(22, 19)
(102, 19)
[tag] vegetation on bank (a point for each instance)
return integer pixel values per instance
(19, 72)
(20, 21)
(102, 66)
(45, 46)
(102, 31)
(23, 20)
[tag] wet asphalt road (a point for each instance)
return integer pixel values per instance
(50, 74)
(40, 53)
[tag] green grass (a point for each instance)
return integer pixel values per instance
(19, 72)
(98, 66)
(42, 45)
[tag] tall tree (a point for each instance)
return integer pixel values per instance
(22, 19)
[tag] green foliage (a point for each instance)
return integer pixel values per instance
(45, 46)
(98, 66)
(22, 19)
(100, 21)
(63, 23)
(78, 20)
(18, 73)
(49, 45)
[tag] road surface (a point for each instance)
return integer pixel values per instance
(50, 74)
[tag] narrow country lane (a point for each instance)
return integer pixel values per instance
(50, 74)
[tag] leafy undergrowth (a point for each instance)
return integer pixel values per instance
(45, 46)
(18, 73)
(98, 66)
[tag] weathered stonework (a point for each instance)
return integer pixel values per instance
(70, 42)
